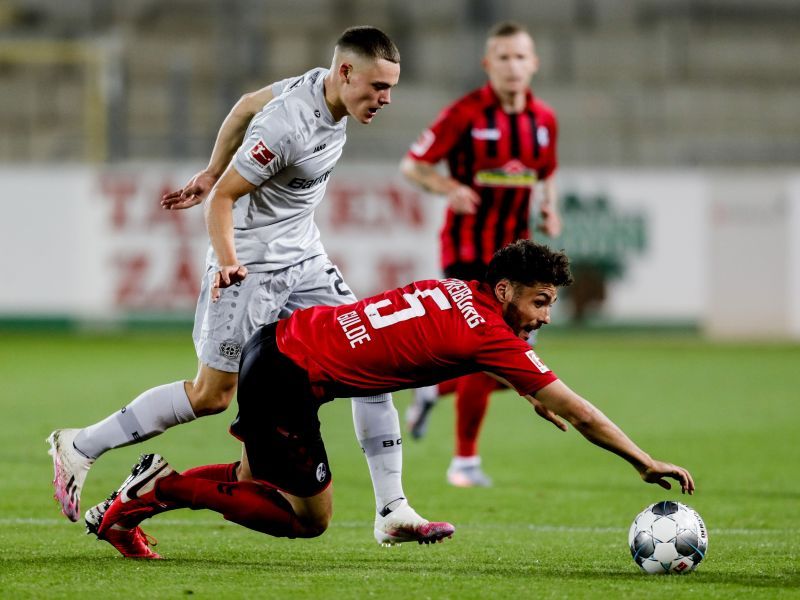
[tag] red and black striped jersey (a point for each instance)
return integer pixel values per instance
(424, 333)
(501, 156)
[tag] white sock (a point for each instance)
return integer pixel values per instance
(429, 393)
(464, 462)
(152, 413)
(378, 431)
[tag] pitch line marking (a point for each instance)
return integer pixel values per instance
(13, 521)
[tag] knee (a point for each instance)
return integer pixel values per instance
(210, 399)
(315, 527)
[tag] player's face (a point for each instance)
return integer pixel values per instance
(528, 307)
(367, 88)
(510, 62)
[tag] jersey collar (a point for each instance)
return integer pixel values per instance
(322, 106)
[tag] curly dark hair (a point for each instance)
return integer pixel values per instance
(370, 42)
(527, 263)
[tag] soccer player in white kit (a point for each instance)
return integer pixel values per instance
(265, 260)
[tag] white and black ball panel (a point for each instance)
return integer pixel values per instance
(668, 537)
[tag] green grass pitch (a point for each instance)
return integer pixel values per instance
(554, 526)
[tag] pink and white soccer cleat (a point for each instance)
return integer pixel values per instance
(403, 524)
(70, 468)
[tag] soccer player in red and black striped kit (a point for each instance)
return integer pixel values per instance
(499, 141)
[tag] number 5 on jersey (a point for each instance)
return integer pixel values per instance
(415, 308)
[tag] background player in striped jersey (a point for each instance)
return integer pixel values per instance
(265, 261)
(422, 333)
(499, 141)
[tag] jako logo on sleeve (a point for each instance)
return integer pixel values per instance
(537, 361)
(261, 154)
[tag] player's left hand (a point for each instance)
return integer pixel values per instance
(547, 414)
(226, 276)
(550, 223)
(656, 473)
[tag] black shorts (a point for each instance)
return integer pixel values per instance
(466, 271)
(277, 419)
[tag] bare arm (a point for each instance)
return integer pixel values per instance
(462, 198)
(219, 222)
(601, 431)
(541, 410)
(231, 133)
(229, 138)
(550, 223)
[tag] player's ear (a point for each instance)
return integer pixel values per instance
(344, 71)
(503, 290)
(535, 63)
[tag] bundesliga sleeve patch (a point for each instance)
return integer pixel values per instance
(423, 143)
(260, 153)
(537, 362)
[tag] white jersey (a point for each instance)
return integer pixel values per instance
(289, 152)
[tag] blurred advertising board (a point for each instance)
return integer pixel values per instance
(647, 246)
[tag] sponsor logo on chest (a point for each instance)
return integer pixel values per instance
(491, 134)
(512, 174)
(302, 183)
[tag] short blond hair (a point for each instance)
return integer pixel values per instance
(507, 29)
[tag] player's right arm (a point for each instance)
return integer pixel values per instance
(229, 138)
(462, 198)
(219, 221)
(434, 144)
(601, 431)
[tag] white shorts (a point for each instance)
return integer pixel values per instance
(222, 328)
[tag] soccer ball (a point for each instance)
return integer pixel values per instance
(668, 537)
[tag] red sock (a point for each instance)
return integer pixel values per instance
(248, 503)
(226, 473)
(472, 400)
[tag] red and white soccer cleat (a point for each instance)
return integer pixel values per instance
(403, 524)
(131, 543)
(134, 501)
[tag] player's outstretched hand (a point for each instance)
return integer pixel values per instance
(193, 193)
(659, 470)
(463, 200)
(227, 276)
(547, 414)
